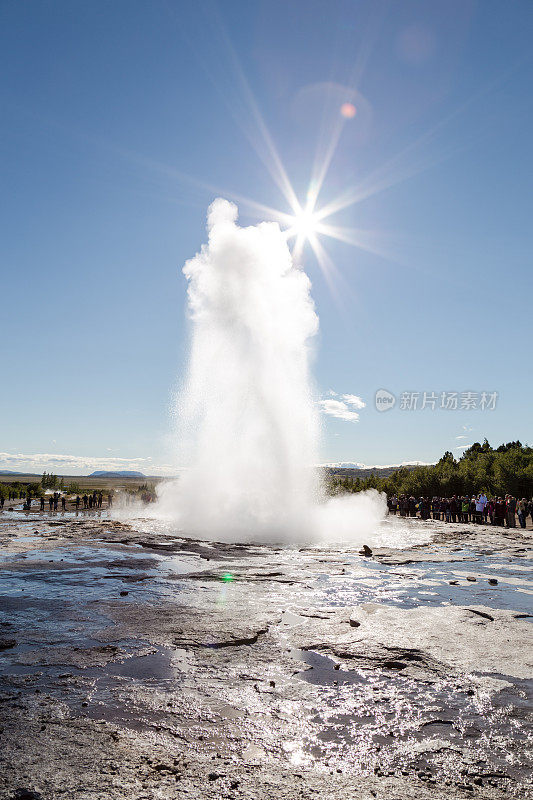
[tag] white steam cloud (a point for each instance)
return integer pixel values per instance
(248, 423)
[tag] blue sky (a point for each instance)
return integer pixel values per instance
(122, 121)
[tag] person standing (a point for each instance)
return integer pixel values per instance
(500, 512)
(479, 509)
(511, 511)
(453, 509)
(465, 505)
(522, 512)
(63, 503)
(42, 502)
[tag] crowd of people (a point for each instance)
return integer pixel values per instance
(479, 509)
(89, 501)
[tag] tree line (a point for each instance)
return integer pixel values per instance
(507, 469)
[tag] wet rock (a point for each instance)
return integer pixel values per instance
(75, 656)
(493, 581)
(482, 614)
(471, 578)
(123, 593)
(26, 794)
(453, 583)
(354, 623)
(365, 551)
(427, 640)
(7, 644)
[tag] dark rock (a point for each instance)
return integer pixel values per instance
(337, 666)
(481, 614)
(493, 581)
(272, 683)
(214, 776)
(365, 551)
(124, 593)
(453, 583)
(471, 578)
(234, 785)
(27, 794)
(354, 623)
(6, 644)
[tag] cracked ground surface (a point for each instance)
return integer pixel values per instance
(135, 665)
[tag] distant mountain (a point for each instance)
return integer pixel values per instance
(9, 472)
(358, 465)
(346, 465)
(352, 470)
(124, 473)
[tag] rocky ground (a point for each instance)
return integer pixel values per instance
(135, 665)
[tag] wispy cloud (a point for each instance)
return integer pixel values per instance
(353, 400)
(342, 406)
(71, 464)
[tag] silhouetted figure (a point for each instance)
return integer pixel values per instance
(63, 503)
(77, 501)
(85, 501)
(110, 500)
(511, 511)
(42, 502)
(90, 501)
(56, 500)
(51, 502)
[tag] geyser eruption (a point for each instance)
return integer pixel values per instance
(247, 418)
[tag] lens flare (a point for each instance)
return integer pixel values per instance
(348, 110)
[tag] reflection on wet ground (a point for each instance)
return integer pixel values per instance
(161, 636)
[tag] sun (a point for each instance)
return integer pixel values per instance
(305, 224)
